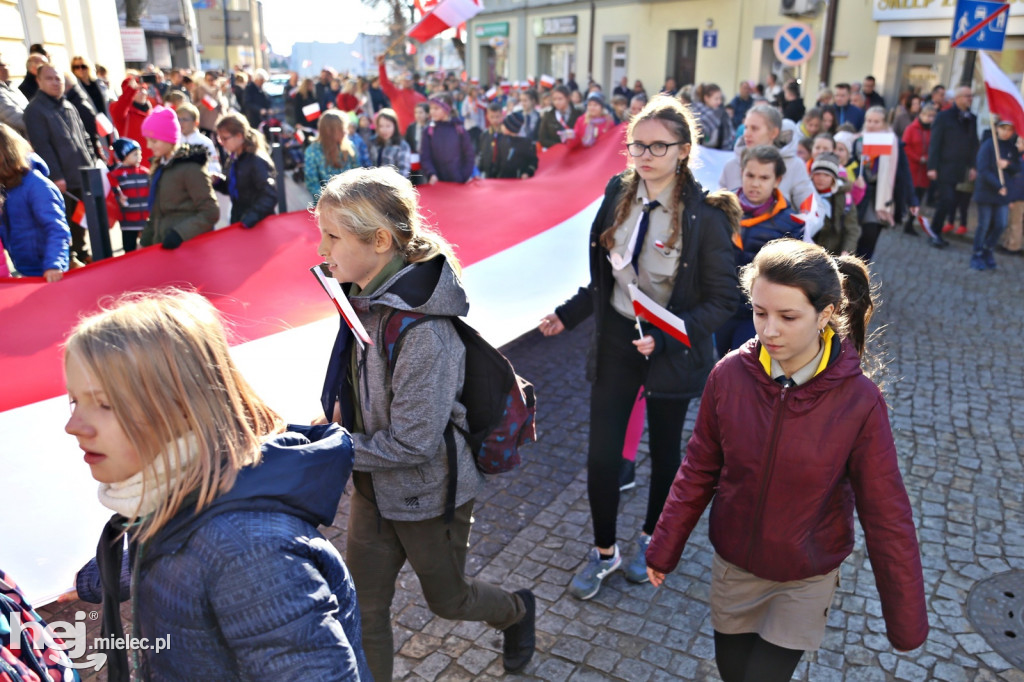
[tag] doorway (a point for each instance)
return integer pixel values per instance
(615, 65)
(557, 59)
(682, 56)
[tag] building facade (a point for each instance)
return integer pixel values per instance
(722, 41)
(243, 43)
(65, 28)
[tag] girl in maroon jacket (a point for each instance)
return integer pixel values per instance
(791, 436)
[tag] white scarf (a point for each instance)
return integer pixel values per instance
(128, 498)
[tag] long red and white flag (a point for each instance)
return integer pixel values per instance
(447, 14)
(1004, 99)
(311, 111)
(645, 307)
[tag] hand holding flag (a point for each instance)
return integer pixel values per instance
(645, 307)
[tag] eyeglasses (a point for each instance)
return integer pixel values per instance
(655, 148)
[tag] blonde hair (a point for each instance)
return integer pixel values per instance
(162, 359)
(14, 157)
(363, 200)
(332, 134)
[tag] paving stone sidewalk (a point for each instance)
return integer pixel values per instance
(954, 381)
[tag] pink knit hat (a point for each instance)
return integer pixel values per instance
(162, 124)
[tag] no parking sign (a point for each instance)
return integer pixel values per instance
(794, 44)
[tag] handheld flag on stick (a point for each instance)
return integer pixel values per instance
(333, 289)
(1004, 99)
(877, 144)
(447, 14)
(645, 307)
(209, 102)
(311, 111)
(547, 81)
(103, 125)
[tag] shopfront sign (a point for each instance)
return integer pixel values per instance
(491, 29)
(555, 26)
(917, 10)
(133, 43)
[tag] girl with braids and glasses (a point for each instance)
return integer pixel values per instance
(790, 437)
(660, 230)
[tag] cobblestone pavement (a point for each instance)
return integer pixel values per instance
(953, 390)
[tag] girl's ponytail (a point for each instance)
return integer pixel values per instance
(858, 302)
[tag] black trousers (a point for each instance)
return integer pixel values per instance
(945, 204)
(748, 658)
(621, 371)
(868, 239)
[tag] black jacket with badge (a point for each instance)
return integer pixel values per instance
(256, 186)
(506, 156)
(705, 294)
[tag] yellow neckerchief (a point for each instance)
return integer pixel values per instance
(826, 338)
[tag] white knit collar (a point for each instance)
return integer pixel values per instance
(128, 498)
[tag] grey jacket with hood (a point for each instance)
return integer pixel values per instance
(405, 410)
(796, 184)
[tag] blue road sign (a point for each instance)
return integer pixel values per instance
(794, 44)
(980, 25)
(711, 38)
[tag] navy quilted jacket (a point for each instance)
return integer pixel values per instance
(250, 589)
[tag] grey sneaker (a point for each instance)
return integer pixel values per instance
(587, 581)
(636, 569)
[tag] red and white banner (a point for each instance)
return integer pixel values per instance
(875, 145)
(311, 111)
(447, 14)
(1004, 99)
(275, 311)
(103, 125)
(209, 103)
(647, 309)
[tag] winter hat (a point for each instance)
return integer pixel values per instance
(162, 124)
(123, 146)
(826, 163)
(514, 122)
(596, 96)
(442, 100)
(846, 139)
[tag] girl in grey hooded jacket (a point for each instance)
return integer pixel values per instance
(373, 242)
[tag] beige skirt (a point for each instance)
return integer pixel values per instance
(791, 614)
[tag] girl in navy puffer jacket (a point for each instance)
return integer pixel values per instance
(33, 227)
(446, 152)
(790, 437)
(220, 502)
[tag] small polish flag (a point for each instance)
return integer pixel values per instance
(506, 87)
(491, 94)
(645, 307)
(300, 136)
(877, 144)
(926, 225)
(209, 102)
(532, 82)
(474, 81)
(311, 111)
(341, 302)
(547, 81)
(78, 215)
(1004, 98)
(658, 244)
(414, 162)
(103, 125)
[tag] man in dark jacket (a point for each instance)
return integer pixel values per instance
(741, 104)
(506, 155)
(847, 112)
(256, 102)
(952, 154)
(58, 135)
(30, 86)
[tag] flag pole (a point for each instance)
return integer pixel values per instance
(995, 145)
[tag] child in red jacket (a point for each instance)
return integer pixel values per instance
(129, 183)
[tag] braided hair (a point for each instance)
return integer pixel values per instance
(678, 118)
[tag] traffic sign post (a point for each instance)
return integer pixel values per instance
(979, 25)
(794, 44)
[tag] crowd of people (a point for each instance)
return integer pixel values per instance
(768, 274)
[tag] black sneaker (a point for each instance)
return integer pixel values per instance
(521, 638)
(939, 243)
(627, 475)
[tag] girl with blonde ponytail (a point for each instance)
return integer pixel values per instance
(404, 416)
(659, 230)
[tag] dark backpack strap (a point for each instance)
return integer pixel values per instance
(453, 472)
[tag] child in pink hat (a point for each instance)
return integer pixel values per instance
(162, 124)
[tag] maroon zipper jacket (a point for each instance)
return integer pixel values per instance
(783, 470)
